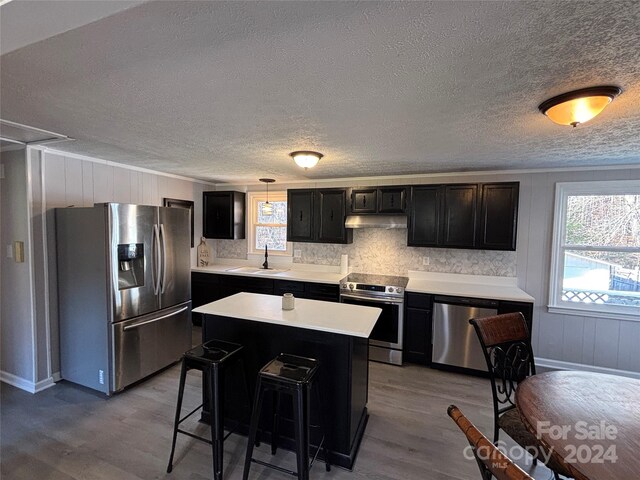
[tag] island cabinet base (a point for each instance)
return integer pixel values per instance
(342, 381)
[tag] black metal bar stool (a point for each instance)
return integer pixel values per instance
(212, 358)
(291, 375)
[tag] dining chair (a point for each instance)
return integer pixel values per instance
(506, 344)
(491, 461)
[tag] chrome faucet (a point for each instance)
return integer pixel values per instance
(265, 265)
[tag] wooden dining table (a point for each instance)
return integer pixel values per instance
(589, 421)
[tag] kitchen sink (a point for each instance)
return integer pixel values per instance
(271, 271)
(256, 270)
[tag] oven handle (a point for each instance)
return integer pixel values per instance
(373, 299)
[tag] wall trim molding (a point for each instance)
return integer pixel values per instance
(24, 384)
(411, 177)
(561, 365)
(110, 163)
(29, 258)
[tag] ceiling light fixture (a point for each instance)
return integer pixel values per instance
(267, 208)
(306, 158)
(579, 106)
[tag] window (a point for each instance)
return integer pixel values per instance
(269, 230)
(595, 268)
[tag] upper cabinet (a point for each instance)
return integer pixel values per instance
(387, 200)
(459, 206)
(475, 216)
(498, 216)
(392, 200)
(223, 215)
(317, 215)
(300, 210)
(424, 219)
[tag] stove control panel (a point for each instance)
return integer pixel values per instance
(362, 287)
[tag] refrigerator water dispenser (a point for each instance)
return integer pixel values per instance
(131, 265)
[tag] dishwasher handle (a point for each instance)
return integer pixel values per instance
(468, 302)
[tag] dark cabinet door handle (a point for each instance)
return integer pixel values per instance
(364, 201)
(392, 198)
(300, 215)
(331, 214)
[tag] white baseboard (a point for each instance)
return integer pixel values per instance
(560, 365)
(24, 384)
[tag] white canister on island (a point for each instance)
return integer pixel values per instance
(288, 301)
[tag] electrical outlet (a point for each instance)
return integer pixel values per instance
(297, 253)
(426, 260)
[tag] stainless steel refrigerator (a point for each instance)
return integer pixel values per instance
(124, 291)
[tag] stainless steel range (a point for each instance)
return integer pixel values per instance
(385, 292)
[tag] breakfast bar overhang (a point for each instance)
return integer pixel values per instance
(335, 334)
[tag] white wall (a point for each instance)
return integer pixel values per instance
(50, 181)
(16, 338)
(560, 341)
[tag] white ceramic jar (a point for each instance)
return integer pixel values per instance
(288, 301)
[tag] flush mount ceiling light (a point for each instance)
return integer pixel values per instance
(267, 208)
(579, 106)
(305, 158)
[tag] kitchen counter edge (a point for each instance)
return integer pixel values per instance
(296, 275)
(484, 291)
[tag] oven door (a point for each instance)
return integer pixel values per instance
(388, 330)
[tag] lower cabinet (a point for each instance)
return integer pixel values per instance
(209, 287)
(417, 328)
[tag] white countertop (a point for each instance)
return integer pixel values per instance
(342, 318)
(285, 273)
(475, 286)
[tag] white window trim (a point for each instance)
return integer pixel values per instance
(563, 191)
(252, 217)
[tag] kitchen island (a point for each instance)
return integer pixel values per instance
(336, 334)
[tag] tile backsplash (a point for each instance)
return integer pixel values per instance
(385, 252)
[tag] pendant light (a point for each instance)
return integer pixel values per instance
(267, 208)
(306, 158)
(578, 106)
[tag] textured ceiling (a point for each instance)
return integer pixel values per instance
(225, 90)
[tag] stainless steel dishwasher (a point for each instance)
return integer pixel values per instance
(455, 342)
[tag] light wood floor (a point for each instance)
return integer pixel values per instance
(69, 432)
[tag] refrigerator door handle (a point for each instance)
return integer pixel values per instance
(157, 319)
(156, 260)
(164, 258)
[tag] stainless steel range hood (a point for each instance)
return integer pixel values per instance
(376, 221)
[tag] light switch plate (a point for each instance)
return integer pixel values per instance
(18, 248)
(9, 251)
(297, 253)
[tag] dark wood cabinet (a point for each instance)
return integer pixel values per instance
(424, 219)
(498, 218)
(417, 328)
(473, 216)
(392, 200)
(204, 289)
(386, 200)
(364, 200)
(331, 213)
(223, 215)
(459, 204)
(300, 223)
(317, 215)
